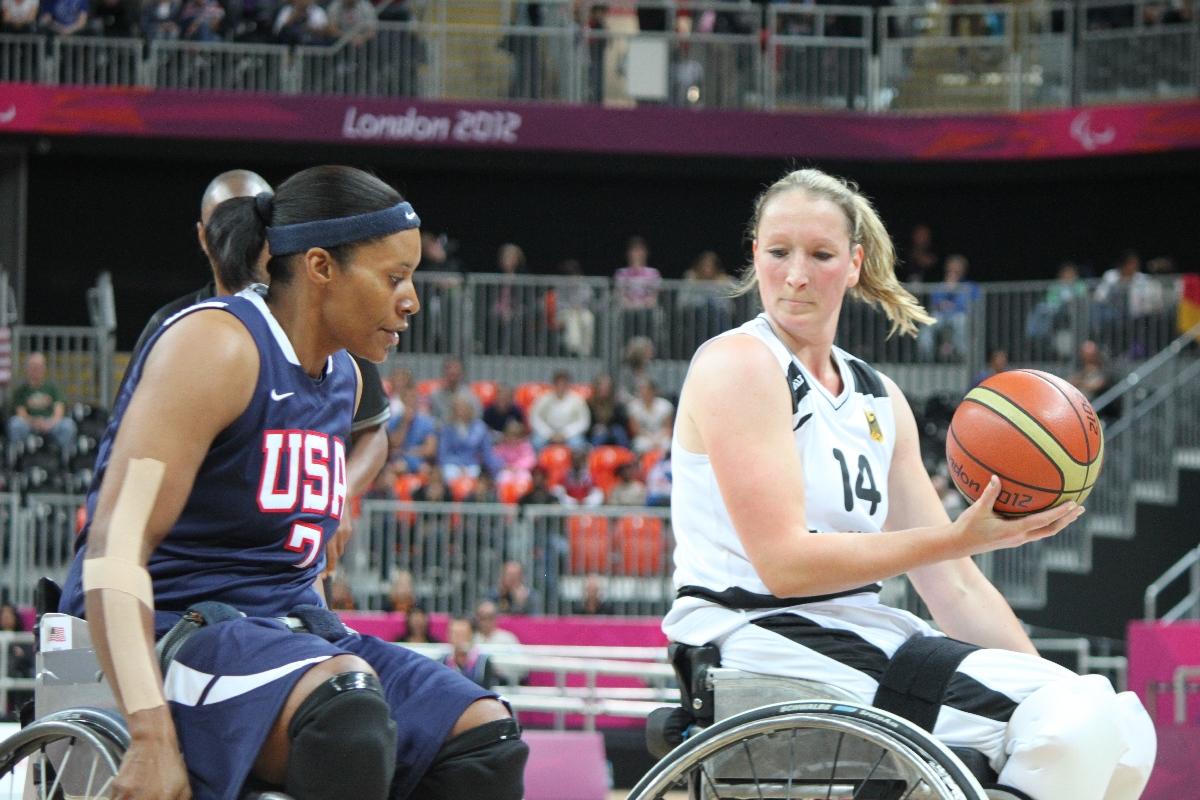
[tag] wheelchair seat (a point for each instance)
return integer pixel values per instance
(742, 734)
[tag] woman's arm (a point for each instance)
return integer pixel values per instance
(197, 379)
(736, 403)
(963, 602)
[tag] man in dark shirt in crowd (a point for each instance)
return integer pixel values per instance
(368, 442)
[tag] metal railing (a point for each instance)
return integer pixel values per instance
(711, 54)
(78, 359)
(1189, 606)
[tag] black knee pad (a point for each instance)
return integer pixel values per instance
(484, 763)
(343, 741)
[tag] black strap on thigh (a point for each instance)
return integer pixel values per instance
(321, 621)
(915, 680)
(484, 763)
(208, 612)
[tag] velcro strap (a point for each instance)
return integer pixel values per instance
(321, 621)
(914, 682)
(208, 612)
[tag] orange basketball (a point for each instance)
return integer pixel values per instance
(1033, 430)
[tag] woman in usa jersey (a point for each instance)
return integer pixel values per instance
(799, 486)
(218, 483)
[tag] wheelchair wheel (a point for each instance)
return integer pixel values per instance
(811, 750)
(69, 755)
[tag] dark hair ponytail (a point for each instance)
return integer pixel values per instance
(236, 234)
(326, 192)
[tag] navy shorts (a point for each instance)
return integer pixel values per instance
(229, 682)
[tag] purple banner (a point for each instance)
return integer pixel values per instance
(1065, 133)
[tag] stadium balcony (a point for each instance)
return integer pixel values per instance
(727, 55)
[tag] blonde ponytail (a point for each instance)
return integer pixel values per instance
(877, 282)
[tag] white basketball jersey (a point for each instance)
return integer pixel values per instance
(845, 445)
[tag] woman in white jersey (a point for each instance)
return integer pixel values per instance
(799, 485)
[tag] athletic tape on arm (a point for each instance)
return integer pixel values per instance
(119, 569)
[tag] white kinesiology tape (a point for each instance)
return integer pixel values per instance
(119, 569)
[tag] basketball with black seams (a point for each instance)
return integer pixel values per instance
(1033, 430)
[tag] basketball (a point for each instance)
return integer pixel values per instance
(1033, 430)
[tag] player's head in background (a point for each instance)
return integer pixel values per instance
(796, 215)
(343, 246)
(227, 185)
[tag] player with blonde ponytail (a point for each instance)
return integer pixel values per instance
(798, 486)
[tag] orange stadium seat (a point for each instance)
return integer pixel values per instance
(526, 393)
(406, 484)
(584, 390)
(649, 459)
(485, 391)
(428, 386)
(556, 460)
(641, 544)
(509, 488)
(604, 461)
(462, 486)
(590, 544)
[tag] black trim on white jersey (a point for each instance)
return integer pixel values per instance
(739, 598)
(866, 379)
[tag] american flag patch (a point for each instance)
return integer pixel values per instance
(58, 634)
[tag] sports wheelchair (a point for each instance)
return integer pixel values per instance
(744, 735)
(72, 747)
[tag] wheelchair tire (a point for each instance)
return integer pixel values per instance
(718, 762)
(68, 754)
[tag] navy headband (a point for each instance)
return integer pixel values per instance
(284, 240)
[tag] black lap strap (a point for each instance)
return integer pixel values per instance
(914, 681)
(209, 612)
(321, 621)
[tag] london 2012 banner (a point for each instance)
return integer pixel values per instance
(155, 113)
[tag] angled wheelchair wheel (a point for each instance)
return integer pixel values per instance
(810, 750)
(68, 755)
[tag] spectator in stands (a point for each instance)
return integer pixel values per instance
(302, 22)
(486, 629)
(560, 416)
(512, 595)
(340, 596)
(705, 301)
(593, 602)
(502, 411)
(434, 489)
(353, 19)
(1053, 315)
(610, 422)
(160, 22)
(577, 487)
(401, 595)
(112, 19)
(629, 491)
(200, 20)
(1125, 293)
(465, 656)
(20, 660)
(1093, 377)
(416, 626)
(637, 286)
(949, 305)
(574, 310)
(483, 490)
(658, 482)
(400, 380)
(353, 23)
(539, 494)
(649, 418)
(412, 435)
(19, 16)
(506, 312)
(636, 360)
(452, 386)
(922, 260)
(515, 451)
(38, 407)
(64, 17)
(465, 445)
(997, 362)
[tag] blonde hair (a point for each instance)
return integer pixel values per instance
(877, 282)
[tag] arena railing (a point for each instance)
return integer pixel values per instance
(8, 682)
(716, 55)
(78, 359)
(22, 58)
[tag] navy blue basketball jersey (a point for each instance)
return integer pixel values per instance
(268, 494)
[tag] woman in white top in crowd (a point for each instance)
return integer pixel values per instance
(799, 486)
